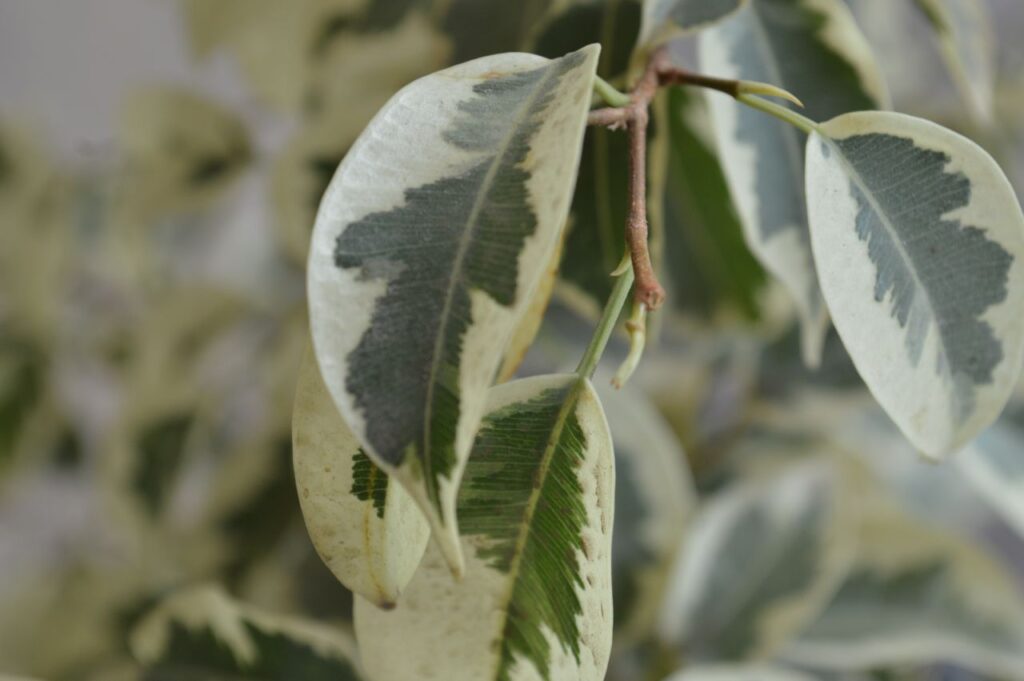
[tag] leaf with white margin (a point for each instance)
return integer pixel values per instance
(202, 633)
(918, 240)
(813, 49)
(739, 673)
(535, 508)
(994, 465)
(654, 501)
(663, 19)
(916, 594)
(965, 35)
(370, 533)
(429, 244)
(760, 560)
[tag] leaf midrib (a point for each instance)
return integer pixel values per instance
(464, 241)
(856, 177)
(568, 407)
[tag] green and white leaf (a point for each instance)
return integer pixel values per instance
(760, 560)
(535, 510)
(200, 633)
(710, 271)
(966, 39)
(994, 464)
(916, 595)
(813, 49)
(428, 245)
(739, 673)
(664, 19)
(654, 500)
(368, 530)
(919, 241)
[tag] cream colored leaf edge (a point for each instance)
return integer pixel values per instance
(208, 606)
(409, 643)
(891, 542)
(784, 257)
(372, 556)
(786, 496)
(341, 305)
(914, 397)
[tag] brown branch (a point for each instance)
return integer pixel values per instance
(634, 117)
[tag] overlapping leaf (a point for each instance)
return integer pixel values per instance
(429, 243)
(760, 560)
(813, 49)
(710, 271)
(368, 530)
(535, 511)
(915, 595)
(665, 18)
(919, 241)
(200, 633)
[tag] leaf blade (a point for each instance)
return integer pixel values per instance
(918, 239)
(813, 49)
(536, 507)
(428, 243)
(369, 532)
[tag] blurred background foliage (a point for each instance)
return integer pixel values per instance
(160, 167)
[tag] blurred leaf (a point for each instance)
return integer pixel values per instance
(963, 29)
(21, 387)
(761, 560)
(200, 634)
(917, 595)
(664, 19)
(182, 151)
(994, 464)
(815, 51)
(159, 449)
(535, 510)
(739, 673)
(654, 499)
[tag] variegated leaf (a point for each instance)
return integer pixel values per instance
(428, 245)
(654, 499)
(813, 49)
(739, 673)
(710, 271)
(368, 530)
(994, 464)
(919, 241)
(200, 633)
(662, 19)
(182, 151)
(965, 35)
(535, 510)
(760, 560)
(917, 595)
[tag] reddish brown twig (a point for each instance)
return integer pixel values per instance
(634, 117)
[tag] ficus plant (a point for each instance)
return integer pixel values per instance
(641, 340)
(472, 513)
